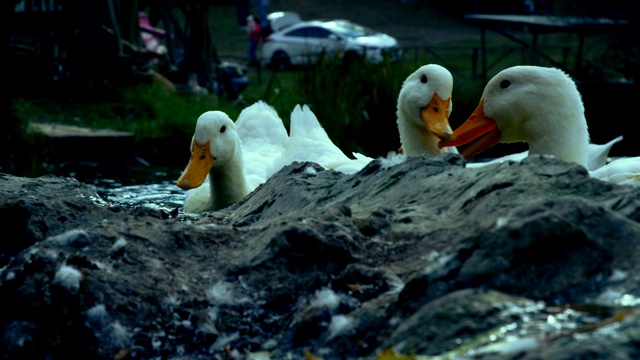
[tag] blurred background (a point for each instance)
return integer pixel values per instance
(112, 89)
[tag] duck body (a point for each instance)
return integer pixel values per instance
(598, 156)
(540, 106)
(622, 171)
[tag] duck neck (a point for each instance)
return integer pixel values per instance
(228, 184)
(416, 139)
(566, 144)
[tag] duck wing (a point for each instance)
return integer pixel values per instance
(352, 166)
(308, 141)
(264, 140)
(599, 153)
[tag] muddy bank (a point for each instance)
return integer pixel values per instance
(425, 256)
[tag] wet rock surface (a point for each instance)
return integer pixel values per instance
(516, 260)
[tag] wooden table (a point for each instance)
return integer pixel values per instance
(542, 24)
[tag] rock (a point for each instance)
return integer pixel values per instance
(425, 256)
(456, 318)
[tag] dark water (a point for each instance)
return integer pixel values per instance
(164, 195)
(149, 186)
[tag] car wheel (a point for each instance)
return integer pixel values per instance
(280, 60)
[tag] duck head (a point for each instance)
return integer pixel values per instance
(424, 106)
(537, 105)
(214, 144)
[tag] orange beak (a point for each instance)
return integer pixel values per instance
(478, 133)
(199, 166)
(436, 117)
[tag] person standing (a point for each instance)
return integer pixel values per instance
(253, 32)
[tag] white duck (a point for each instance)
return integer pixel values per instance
(235, 157)
(423, 109)
(540, 106)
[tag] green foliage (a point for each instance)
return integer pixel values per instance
(148, 111)
(19, 152)
(153, 112)
(161, 121)
(337, 93)
(356, 101)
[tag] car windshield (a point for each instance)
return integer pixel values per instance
(348, 28)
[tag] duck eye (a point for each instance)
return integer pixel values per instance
(223, 128)
(423, 79)
(505, 84)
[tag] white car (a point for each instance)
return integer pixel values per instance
(302, 42)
